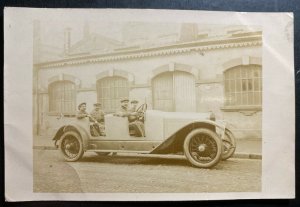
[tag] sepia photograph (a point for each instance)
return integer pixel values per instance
(146, 107)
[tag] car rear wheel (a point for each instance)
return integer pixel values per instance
(203, 148)
(229, 145)
(71, 146)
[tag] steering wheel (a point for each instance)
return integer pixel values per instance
(141, 111)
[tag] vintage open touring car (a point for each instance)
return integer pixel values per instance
(202, 140)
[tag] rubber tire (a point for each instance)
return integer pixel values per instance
(81, 151)
(229, 154)
(213, 136)
(102, 153)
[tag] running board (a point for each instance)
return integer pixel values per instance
(120, 151)
(122, 146)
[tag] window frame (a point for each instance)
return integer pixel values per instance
(126, 87)
(56, 112)
(233, 83)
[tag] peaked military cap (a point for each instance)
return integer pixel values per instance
(81, 105)
(134, 101)
(97, 104)
(125, 99)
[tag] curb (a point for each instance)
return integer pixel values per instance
(247, 156)
(236, 155)
(45, 147)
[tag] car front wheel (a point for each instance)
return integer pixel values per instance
(71, 146)
(229, 145)
(203, 148)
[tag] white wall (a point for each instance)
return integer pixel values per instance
(209, 86)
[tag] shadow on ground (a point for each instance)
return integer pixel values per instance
(168, 160)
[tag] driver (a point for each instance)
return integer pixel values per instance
(133, 115)
(133, 104)
(134, 122)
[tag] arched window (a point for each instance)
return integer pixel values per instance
(110, 90)
(62, 97)
(243, 86)
(174, 91)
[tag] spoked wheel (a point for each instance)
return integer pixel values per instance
(229, 145)
(203, 148)
(71, 146)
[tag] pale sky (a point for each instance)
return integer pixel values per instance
(52, 31)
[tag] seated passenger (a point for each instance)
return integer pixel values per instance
(83, 114)
(123, 112)
(97, 117)
(82, 111)
(136, 127)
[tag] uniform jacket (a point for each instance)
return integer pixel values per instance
(81, 114)
(97, 115)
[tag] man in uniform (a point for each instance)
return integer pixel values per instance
(134, 124)
(97, 114)
(123, 112)
(81, 114)
(82, 111)
(133, 104)
(97, 117)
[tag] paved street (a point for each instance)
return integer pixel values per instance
(141, 174)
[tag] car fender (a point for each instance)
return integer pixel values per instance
(174, 143)
(84, 135)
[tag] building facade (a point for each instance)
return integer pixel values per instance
(190, 72)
